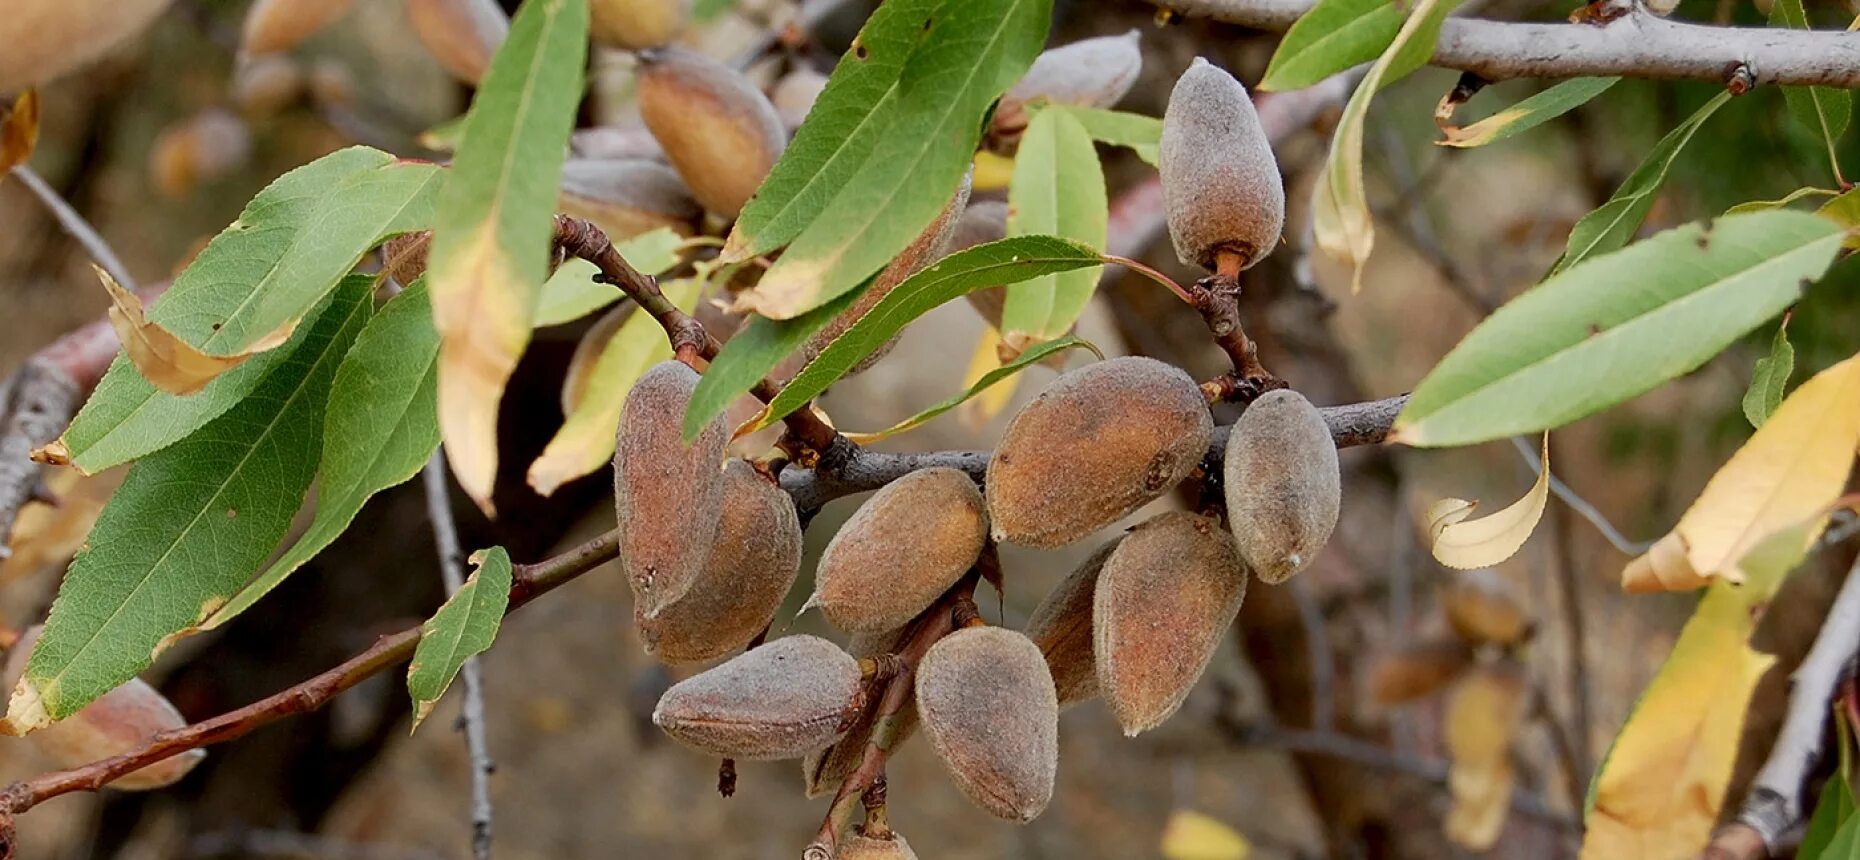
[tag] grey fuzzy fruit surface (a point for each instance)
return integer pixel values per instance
(1221, 183)
(988, 706)
(667, 495)
(900, 550)
(1095, 72)
(777, 701)
(1061, 626)
(1283, 484)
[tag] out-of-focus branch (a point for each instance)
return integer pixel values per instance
(472, 718)
(75, 225)
(1638, 44)
(1776, 806)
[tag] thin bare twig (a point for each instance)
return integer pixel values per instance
(1323, 662)
(75, 225)
(472, 718)
(1580, 505)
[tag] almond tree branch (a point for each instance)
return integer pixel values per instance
(472, 719)
(1637, 44)
(75, 225)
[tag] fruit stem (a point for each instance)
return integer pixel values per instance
(1217, 298)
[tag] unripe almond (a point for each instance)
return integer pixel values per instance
(927, 248)
(43, 40)
(982, 222)
(262, 86)
(667, 493)
(794, 95)
(823, 770)
(989, 709)
(1061, 626)
(121, 721)
(619, 142)
(752, 565)
(332, 85)
(1283, 484)
(201, 148)
(858, 846)
(1221, 185)
(1090, 72)
(902, 549)
(1482, 609)
(272, 26)
(461, 34)
(1164, 599)
(721, 132)
(1418, 669)
(627, 197)
(637, 24)
(777, 701)
(1098, 443)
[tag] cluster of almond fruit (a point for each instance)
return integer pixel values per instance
(711, 548)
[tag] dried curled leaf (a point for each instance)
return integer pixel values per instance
(1164, 600)
(905, 546)
(1061, 626)
(989, 709)
(666, 493)
(173, 364)
(1482, 716)
(1466, 544)
(1098, 443)
(777, 701)
(1282, 483)
(19, 131)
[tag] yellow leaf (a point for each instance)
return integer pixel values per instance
(482, 312)
(993, 400)
(1789, 473)
(50, 534)
(992, 172)
(1190, 835)
(1482, 716)
(614, 358)
(1663, 782)
(19, 131)
(172, 364)
(1468, 544)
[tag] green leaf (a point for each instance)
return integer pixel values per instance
(1845, 211)
(1612, 225)
(1834, 811)
(494, 231)
(1021, 362)
(1529, 113)
(189, 526)
(972, 52)
(1770, 378)
(1008, 261)
(381, 427)
(1335, 35)
(1844, 845)
(443, 137)
(1057, 190)
(1134, 131)
(462, 628)
(1617, 326)
(1785, 200)
(572, 293)
(1825, 111)
(585, 443)
(292, 243)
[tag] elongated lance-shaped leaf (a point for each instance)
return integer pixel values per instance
(973, 51)
(188, 527)
(1058, 190)
(1770, 378)
(1616, 326)
(462, 628)
(1008, 261)
(572, 292)
(1530, 113)
(1612, 225)
(1134, 131)
(1825, 111)
(491, 242)
(988, 380)
(1780, 202)
(381, 427)
(269, 249)
(845, 123)
(1335, 35)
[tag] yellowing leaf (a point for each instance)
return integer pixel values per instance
(1036, 353)
(1792, 469)
(19, 131)
(1191, 835)
(1482, 715)
(1663, 782)
(172, 364)
(1468, 544)
(992, 172)
(991, 402)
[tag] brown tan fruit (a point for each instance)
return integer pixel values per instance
(120, 721)
(927, 248)
(1098, 443)
(902, 549)
(1418, 669)
(989, 709)
(1283, 484)
(794, 95)
(262, 86)
(1221, 185)
(627, 197)
(637, 24)
(1164, 601)
(982, 222)
(1482, 609)
(1091, 72)
(331, 83)
(752, 565)
(667, 494)
(778, 701)
(404, 257)
(272, 26)
(858, 846)
(201, 148)
(619, 142)
(461, 34)
(43, 40)
(1061, 626)
(823, 770)
(717, 128)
